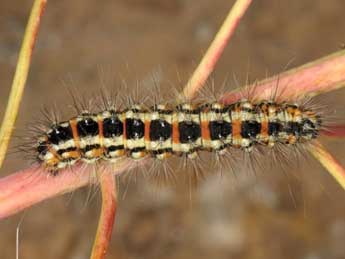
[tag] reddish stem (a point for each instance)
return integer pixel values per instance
(320, 76)
(33, 185)
(336, 131)
(107, 217)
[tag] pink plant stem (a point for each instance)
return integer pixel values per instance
(216, 49)
(33, 185)
(335, 131)
(320, 76)
(107, 217)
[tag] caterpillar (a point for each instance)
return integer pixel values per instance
(161, 131)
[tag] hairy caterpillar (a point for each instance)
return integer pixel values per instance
(162, 131)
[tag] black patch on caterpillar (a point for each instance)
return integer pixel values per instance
(189, 131)
(115, 148)
(274, 128)
(219, 129)
(160, 130)
(87, 127)
(90, 147)
(293, 128)
(42, 148)
(137, 149)
(135, 128)
(249, 129)
(112, 127)
(60, 134)
(61, 151)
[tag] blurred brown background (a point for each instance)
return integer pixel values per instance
(273, 215)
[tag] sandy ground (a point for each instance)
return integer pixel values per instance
(297, 215)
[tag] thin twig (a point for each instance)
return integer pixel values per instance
(20, 76)
(107, 217)
(330, 163)
(216, 48)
